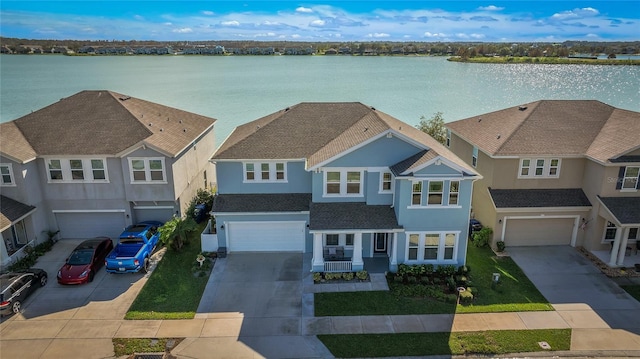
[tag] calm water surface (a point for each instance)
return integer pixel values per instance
(236, 90)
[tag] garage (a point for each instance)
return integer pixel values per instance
(536, 231)
(88, 224)
(159, 213)
(285, 236)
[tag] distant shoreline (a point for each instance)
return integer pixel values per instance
(544, 60)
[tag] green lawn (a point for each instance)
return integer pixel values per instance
(634, 290)
(128, 346)
(172, 291)
(459, 343)
(514, 293)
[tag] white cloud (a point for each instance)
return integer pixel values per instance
(168, 24)
(295, 36)
(230, 23)
(490, 8)
(268, 34)
(317, 23)
(437, 34)
(462, 35)
(592, 35)
(477, 36)
(378, 35)
(304, 9)
(184, 30)
(575, 14)
(208, 13)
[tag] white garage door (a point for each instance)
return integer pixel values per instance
(265, 236)
(539, 232)
(153, 214)
(90, 224)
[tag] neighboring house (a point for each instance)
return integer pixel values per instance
(343, 181)
(93, 163)
(557, 172)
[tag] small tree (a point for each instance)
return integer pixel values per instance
(434, 127)
(482, 237)
(175, 232)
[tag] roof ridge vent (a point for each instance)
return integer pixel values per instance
(150, 124)
(522, 108)
(124, 98)
(479, 119)
(287, 109)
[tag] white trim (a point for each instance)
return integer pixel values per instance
(446, 162)
(343, 181)
(88, 210)
(66, 171)
(257, 171)
(624, 178)
(543, 209)
(255, 213)
(214, 160)
(441, 246)
(14, 222)
(195, 139)
(381, 182)
(533, 165)
(574, 234)
(153, 207)
(147, 170)
(441, 204)
(377, 230)
(434, 207)
(13, 179)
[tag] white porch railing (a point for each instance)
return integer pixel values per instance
(337, 266)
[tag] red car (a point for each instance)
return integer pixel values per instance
(85, 261)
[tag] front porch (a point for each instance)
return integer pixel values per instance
(629, 260)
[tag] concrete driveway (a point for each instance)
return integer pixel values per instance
(569, 280)
(254, 303)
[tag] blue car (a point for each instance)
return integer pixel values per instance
(134, 248)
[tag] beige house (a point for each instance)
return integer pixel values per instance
(559, 172)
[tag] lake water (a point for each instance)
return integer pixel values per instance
(236, 90)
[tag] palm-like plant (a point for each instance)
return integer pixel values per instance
(175, 232)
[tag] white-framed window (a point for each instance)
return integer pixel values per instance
(436, 188)
(267, 172)
(416, 193)
(6, 175)
(633, 233)
(386, 182)
(610, 232)
(339, 239)
(448, 138)
(539, 168)
(343, 183)
(454, 190)
(77, 170)
(432, 246)
(474, 157)
(631, 175)
(147, 170)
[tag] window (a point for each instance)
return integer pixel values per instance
(633, 233)
(448, 137)
(610, 231)
(416, 194)
(386, 181)
(431, 242)
(435, 193)
(414, 244)
(332, 239)
(77, 170)
(206, 184)
(147, 170)
(269, 172)
(6, 175)
(349, 239)
(454, 189)
(343, 183)
(524, 167)
(432, 246)
(539, 168)
(630, 180)
(474, 157)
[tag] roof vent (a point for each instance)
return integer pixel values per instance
(257, 127)
(161, 129)
(124, 98)
(286, 109)
(479, 119)
(180, 121)
(498, 137)
(184, 130)
(522, 108)
(366, 129)
(150, 124)
(373, 108)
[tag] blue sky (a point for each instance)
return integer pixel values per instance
(489, 21)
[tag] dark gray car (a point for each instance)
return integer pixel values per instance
(17, 286)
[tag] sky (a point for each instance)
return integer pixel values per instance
(335, 21)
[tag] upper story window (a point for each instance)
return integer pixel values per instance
(6, 175)
(268, 172)
(432, 246)
(416, 194)
(435, 193)
(147, 170)
(631, 178)
(343, 182)
(435, 196)
(386, 182)
(474, 157)
(448, 138)
(454, 190)
(539, 168)
(77, 170)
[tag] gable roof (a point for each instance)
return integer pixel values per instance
(555, 128)
(321, 131)
(11, 211)
(625, 209)
(105, 123)
(14, 145)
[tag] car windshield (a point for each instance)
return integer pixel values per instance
(80, 257)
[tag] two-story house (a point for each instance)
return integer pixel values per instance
(345, 182)
(561, 172)
(92, 163)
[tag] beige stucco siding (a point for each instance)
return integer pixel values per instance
(506, 175)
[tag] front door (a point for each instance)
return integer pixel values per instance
(380, 243)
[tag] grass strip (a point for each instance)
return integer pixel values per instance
(458, 343)
(128, 346)
(172, 291)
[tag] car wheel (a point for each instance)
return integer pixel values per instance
(43, 280)
(15, 307)
(91, 275)
(145, 266)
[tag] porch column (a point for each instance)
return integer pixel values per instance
(356, 262)
(394, 250)
(623, 246)
(318, 255)
(616, 247)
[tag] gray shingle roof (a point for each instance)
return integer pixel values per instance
(105, 123)
(625, 209)
(554, 127)
(319, 131)
(12, 210)
(272, 202)
(412, 162)
(351, 215)
(530, 198)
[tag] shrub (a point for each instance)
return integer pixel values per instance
(425, 280)
(331, 276)
(175, 232)
(362, 275)
(500, 246)
(466, 297)
(404, 269)
(398, 279)
(202, 196)
(412, 280)
(451, 283)
(348, 275)
(317, 276)
(464, 270)
(482, 237)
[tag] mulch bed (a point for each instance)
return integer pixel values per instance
(604, 268)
